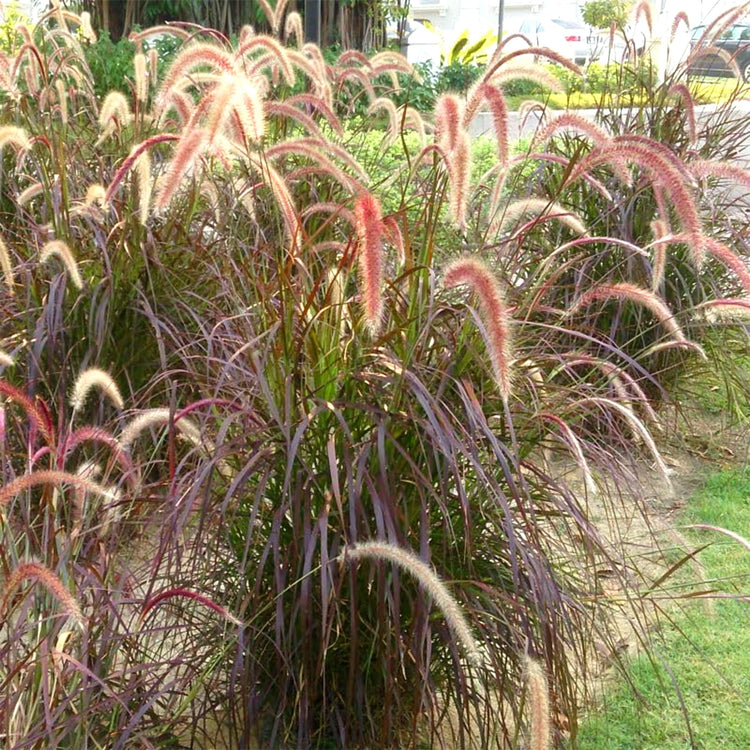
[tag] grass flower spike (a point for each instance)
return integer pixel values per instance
(57, 248)
(427, 578)
(41, 574)
(497, 319)
(369, 225)
(92, 378)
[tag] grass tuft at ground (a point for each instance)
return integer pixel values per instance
(706, 652)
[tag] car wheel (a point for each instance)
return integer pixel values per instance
(746, 72)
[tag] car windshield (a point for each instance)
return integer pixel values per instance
(567, 24)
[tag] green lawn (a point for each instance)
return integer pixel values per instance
(708, 654)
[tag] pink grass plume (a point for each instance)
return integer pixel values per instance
(202, 599)
(496, 316)
(369, 227)
(41, 574)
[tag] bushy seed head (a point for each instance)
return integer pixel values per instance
(58, 249)
(369, 227)
(91, 378)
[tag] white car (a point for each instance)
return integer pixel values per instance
(569, 38)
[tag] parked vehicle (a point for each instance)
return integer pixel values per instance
(569, 38)
(735, 41)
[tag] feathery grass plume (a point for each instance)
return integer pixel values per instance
(546, 52)
(290, 112)
(275, 48)
(369, 229)
(188, 150)
(637, 427)
(162, 596)
(25, 482)
(143, 170)
(329, 207)
(91, 378)
(664, 170)
(395, 237)
(726, 310)
(541, 209)
(732, 261)
(193, 56)
(679, 18)
(34, 411)
(87, 30)
(496, 317)
(528, 72)
(702, 168)
(293, 28)
(58, 249)
(720, 530)
(394, 121)
(153, 64)
(575, 446)
(660, 231)
(128, 163)
(62, 99)
(115, 111)
(448, 119)
(310, 101)
(5, 359)
(274, 15)
(525, 109)
(643, 8)
(41, 574)
(429, 581)
(459, 172)
(141, 77)
(247, 106)
(499, 110)
(632, 293)
(537, 689)
(569, 121)
(10, 135)
(220, 105)
(95, 194)
(7, 267)
(30, 193)
(683, 92)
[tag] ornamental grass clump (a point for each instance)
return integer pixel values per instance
(276, 281)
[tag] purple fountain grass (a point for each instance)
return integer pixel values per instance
(394, 121)
(353, 55)
(528, 72)
(430, 582)
(702, 168)
(732, 261)
(542, 210)
(274, 48)
(576, 449)
(190, 57)
(459, 172)
(136, 152)
(651, 157)
(141, 77)
(41, 574)
(545, 52)
(37, 416)
(726, 310)
(497, 319)
(30, 193)
(274, 15)
(369, 229)
(184, 593)
(569, 121)
(293, 29)
(59, 249)
(329, 207)
(493, 96)
(660, 231)
(683, 92)
(62, 99)
(47, 477)
(632, 293)
(115, 112)
(290, 112)
(643, 8)
(362, 77)
(395, 237)
(639, 430)
(90, 434)
(448, 118)
(7, 267)
(188, 151)
(540, 737)
(679, 18)
(94, 377)
(320, 106)
(143, 171)
(6, 360)
(11, 135)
